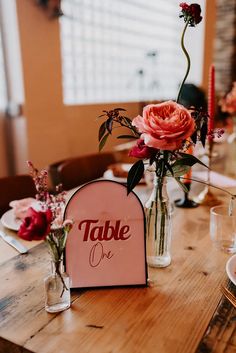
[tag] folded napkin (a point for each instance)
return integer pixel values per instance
(20, 207)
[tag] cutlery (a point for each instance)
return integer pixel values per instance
(13, 242)
(231, 298)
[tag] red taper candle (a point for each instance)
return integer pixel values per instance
(211, 99)
(188, 175)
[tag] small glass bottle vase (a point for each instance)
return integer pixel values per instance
(57, 289)
(158, 225)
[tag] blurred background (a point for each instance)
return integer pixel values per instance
(63, 62)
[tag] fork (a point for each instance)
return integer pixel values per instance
(226, 292)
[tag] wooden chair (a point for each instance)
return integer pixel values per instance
(15, 188)
(54, 176)
(77, 171)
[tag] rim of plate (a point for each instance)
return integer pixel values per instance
(13, 225)
(231, 260)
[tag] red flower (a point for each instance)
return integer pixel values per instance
(195, 10)
(36, 225)
(141, 150)
(191, 13)
(184, 6)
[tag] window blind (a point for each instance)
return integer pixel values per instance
(121, 50)
(3, 98)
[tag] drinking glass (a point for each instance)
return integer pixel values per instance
(223, 228)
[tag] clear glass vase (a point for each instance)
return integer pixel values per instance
(57, 289)
(159, 212)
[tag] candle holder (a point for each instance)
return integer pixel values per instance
(206, 197)
(186, 202)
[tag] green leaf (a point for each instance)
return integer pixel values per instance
(169, 167)
(152, 159)
(103, 142)
(189, 159)
(135, 175)
(183, 165)
(203, 134)
(127, 137)
(194, 137)
(183, 187)
(178, 170)
(128, 121)
(102, 131)
(109, 124)
(120, 109)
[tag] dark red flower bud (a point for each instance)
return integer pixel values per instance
(140, 150)
(195, 10)
(191, 13)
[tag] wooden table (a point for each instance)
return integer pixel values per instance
(171, 315)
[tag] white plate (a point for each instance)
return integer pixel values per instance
(9, 220)
(109, 175)
(231, 269)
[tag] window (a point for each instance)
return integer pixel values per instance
(122, 50)
(3, 94)
(11, 80)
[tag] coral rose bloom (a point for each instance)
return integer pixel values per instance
(165, 126)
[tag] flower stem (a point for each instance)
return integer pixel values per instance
(187, 57)
(57, 268)
(213, 186)
(128, 126)
(160, 203)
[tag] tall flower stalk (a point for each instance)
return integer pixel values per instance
(160, 174)
(188, 60)
(192, 16)
(163, 133)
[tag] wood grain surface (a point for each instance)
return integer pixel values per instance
(220, 336)
(171, 315)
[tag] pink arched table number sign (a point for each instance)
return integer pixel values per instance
(106, 246)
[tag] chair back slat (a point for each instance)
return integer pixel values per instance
(77, 171)
(15, 188)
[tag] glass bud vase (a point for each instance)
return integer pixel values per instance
(57, 289)
(158, 225)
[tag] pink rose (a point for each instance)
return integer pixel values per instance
(36, 225)
(165, 126)
(140, 150)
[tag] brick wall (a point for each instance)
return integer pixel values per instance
(225, 45)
